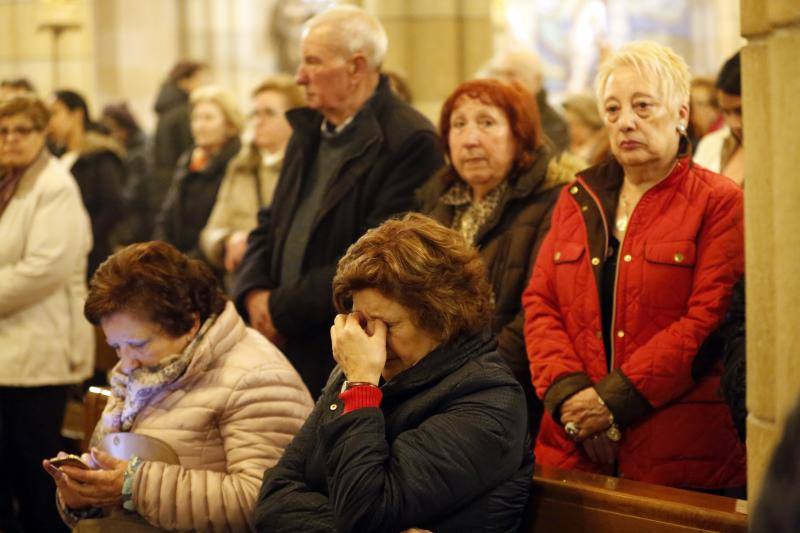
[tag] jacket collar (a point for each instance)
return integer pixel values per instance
(605, 179)
(306, 122)
(220, 159)
(441, 362)
(223, 334)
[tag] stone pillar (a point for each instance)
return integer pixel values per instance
(770, 85)
(435, 44)
(26, 49)
(135, 48)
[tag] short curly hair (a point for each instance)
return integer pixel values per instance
(425, 267)
(154, 282)
(29, 105)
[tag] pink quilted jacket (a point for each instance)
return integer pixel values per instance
(229, 418)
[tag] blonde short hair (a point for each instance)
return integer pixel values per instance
(224, 100)
(282, 84)
(353, 30)
(653, 60)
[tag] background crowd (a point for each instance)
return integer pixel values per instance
(566, 290)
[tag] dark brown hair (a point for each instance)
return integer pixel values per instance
(155, 282)
(425, 267)
(28, 105)
(184, 69)
(519, 107)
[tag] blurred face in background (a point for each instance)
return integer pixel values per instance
(20, 142)
(271, 129)
(731, 107)
(63, 122)
(481, 144)
(117, 132)
(190, 83)
(210, 128)
(703, 109)
(579, 131)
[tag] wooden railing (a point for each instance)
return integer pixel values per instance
(564, 501)
(571, 501)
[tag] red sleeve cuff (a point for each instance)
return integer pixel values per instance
(361, 396)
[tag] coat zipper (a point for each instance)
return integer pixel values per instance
(616, 274)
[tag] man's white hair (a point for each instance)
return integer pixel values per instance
(353, 30)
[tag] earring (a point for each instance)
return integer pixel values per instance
(681, 129)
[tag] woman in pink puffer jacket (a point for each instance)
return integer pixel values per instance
(190, 374)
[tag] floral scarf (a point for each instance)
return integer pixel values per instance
(130, 393)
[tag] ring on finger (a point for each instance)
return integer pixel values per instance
(572, 430)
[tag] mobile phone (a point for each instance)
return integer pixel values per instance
(69, 460)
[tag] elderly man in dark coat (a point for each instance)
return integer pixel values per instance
(356, 156)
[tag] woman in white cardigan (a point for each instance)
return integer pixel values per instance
(192, 375)
(45, 342)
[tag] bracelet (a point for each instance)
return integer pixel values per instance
(127, 482)
(350, 384)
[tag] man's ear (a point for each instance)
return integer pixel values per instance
(358, 65)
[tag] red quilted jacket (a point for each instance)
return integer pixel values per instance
(677, 264)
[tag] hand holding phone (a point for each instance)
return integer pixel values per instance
(69, 460)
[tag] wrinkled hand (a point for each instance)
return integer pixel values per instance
(585, 411)
(80, 489)
(235, 247)
(257, 304)
(600, 449)
(359, 347)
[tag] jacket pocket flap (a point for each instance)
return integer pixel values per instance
(678, 253)
(567, 252)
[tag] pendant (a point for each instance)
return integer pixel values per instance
(622, 223)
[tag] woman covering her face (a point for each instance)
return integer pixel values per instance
(421, 424)
(193, 376)
(634, 276)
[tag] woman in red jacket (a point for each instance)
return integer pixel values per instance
(634, 276)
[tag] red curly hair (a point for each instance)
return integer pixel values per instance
(519, 107)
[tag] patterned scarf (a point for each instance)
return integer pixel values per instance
(130, 393)
(470, 216)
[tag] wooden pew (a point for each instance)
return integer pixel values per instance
(565, 501)
(94, 402)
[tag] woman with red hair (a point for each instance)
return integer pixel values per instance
(498, 191)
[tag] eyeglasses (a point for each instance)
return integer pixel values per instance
(19, 131)
(262, 113)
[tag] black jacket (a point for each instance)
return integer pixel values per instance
(172, 138)
(100, 173)
(445, 452)
(140, 211)
(395, 152)
(191, 198)
(777, 509)
(508, 243)
(734, 370)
